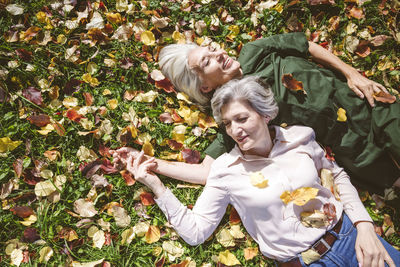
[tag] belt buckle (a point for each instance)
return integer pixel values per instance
(321, 240)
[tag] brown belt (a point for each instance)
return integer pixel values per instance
(322, 246)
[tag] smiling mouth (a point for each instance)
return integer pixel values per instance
(241, 139)
(227, 62)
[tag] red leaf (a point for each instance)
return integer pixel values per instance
(72, 86)
(107, 236)
(190, 156)
(18, 165)
(126, 63)
(24, 54)
(176, 117)
(174, 145)
(166, 85)
(161, 262)
(356, 12)
(129, 180)
(234, 217)
(329, 154)
(363, 49)
(73, 115)
(31, 235)
(147, 199)
(384, 97)
(292, 84)
(106, 264)
(25, 255)
(88, 98)
(30, 178)
(40, 120)
(315, 36)
(33, 95)
(22, 211)
(166, 118)
(59, 128)
(330, 210)
(379, 40)
(104, 151)
(108, 167)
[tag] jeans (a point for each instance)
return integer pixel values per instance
(343, 253)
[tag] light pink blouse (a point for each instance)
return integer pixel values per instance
(295, 161)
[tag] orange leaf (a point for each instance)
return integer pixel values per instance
(384, 97)
(18, 166)
(59, 128)
(181, 264)
(234, 217)
(88, 98)
(147, 199)
(153, 234)
(363, 49)
(73, 115)
(292, 84)
(22, 211)
(52, 154)
(299, 196)
(250, 253)
(166, 85)
(129, 180)
(174, 145)
(356, 12)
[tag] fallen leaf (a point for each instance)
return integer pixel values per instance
(153, 234)
(236, 232)
(257, 179)
(316, 219)
(250, 253)
(29, 221)
(173, 249)
(299, 196)
(234, 217)
(22, 211)
(147, 198)
(384, 97)
(141, 228)
(33, 95)
(18, 167)
(45, 188)
(328, 182)
(320, 2)
(363, 49)
(166, 118)
(84, 208)
(291, 83)
(228, 258)
(122, 219)
(148, 149)
(190, 156)
(72, 86)
(379, 40)
(329, 211)
(310, 255)
(225, 238)
(87, 264)
(16, 257)
(341, 113)
(127, 236)
(31, 235)
(128, 177)
(148, 38)
(356, 12)
(99, 239)
(334, 24)
(45, 254)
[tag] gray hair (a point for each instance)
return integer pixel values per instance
(173, 61)
(252, 89)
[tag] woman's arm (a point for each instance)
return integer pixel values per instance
(362, 86)
(194, 226)
(191, 173)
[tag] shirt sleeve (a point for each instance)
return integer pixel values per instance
(352, 204)
(196, 225)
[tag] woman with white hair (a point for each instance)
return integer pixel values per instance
(260, 177)
(365, 143)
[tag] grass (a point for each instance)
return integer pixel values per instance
(49, 64)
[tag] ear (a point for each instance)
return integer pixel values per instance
(267, 119)
(205, 89)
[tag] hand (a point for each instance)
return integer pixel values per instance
(369, 249)
(364, 87)
(141, 170)
(120, 156)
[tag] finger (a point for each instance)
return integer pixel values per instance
(138, 159)
(360, 256)
(382, 88)
(358, 92)
(370, 99)
(389, 260)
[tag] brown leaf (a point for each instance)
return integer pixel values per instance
(292, 84)
(329, 210)
(73, 115)
(30, 178)
(166, 118)
(160, 263)
(128, 177)
(363, 49)
(52, 155)
(293, 24)
(384, 97)
(181, 264)
(88, 98)
(59, 128)
(379, 40)
(147, 198)
(356, 12)
(190, 156)
(40, 120)
(18, 166)
(98, 36)
(174, 145)
(334, 23)
(234, 217)
(22, 211)
(24, 54)
(72, 86)
(165, 85)
(30, 33)
(126, 63)
(33, 95)
(31, 235)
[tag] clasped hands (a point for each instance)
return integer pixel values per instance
(140, 167)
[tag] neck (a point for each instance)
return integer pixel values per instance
(266, 145)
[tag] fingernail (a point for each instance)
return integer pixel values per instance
(359, 265)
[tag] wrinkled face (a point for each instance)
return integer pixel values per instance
(246, 127)
(214, 67)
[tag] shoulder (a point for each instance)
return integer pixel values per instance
(220, 166)
(296, 134)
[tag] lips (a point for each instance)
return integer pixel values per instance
(227, 62)
(241, 139)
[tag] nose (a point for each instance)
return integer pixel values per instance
(236, 130)
(219, 54)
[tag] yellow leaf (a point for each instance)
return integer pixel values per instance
(147, 37)
(250, 253)
(328, 182)
(127, 236)
(225, 238)
(310, 255)
(70, 102)
(299, 196)
(178, 133)
(228, 258)
(112, 103)
(148, 149)
(234, 31)
(178, 37)
(316, 219)
(114, 18)
(6, 144)
(45, 188)
(257, 180)
(148, 97)
(99, 239)
(236, 232)
(30, 220)
(16, 257)
(173, 249)
(41, 17)
(341, 113)
(45, 254)
(153, 234)
(141, 228)
(92, 230)
(46, 129)
(87, 78)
